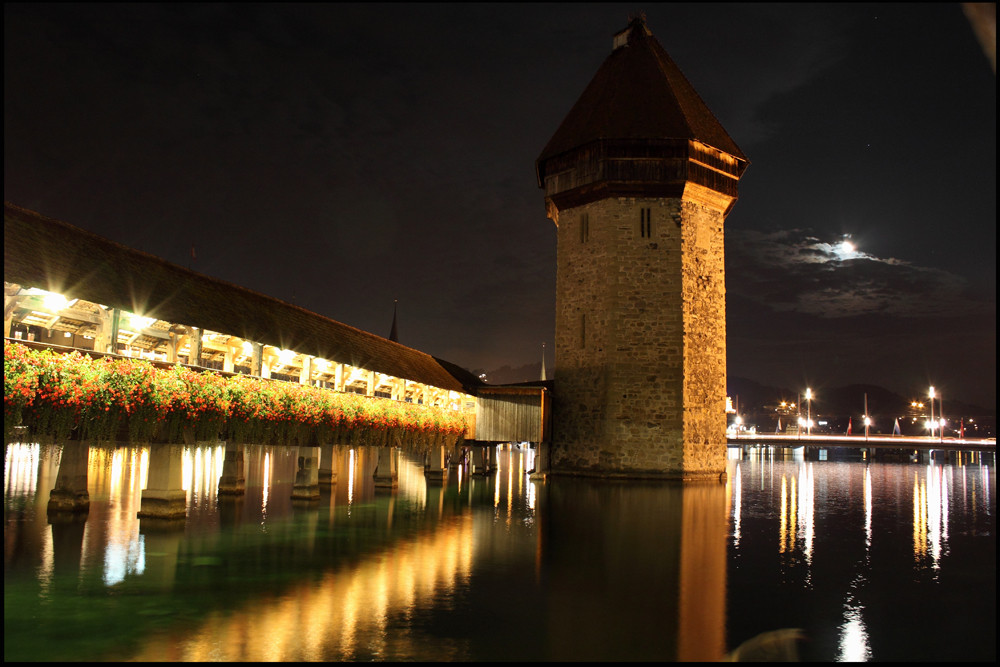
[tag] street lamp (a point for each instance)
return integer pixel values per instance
(809, 421)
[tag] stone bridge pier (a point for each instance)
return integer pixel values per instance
(328, 464)
(306, 485)
(483, 462)
(164, 496)
(233, 480)
(70, 493)
(387, 468)
(436, 471)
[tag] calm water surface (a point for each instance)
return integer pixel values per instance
(873, 560)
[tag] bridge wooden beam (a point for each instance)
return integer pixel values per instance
(200, 346)
(10, 301)
(338, 377)
(195, 343)
(306, 373)
(257, 359)
(102, 336)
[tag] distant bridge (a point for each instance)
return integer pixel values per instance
(861, 442)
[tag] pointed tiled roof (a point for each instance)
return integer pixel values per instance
(638, 93)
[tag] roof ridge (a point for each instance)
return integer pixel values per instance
(196, 274)
(661, 55)
(664, 63)
(38, 248)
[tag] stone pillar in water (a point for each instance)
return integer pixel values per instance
(457, 454)
(639, 178)
(541, 461)
(436, 471)
(164, 496)
(478, 464)
(328, 464)
(306, 486)
(70, 493)
(386, 474)
(233, 480)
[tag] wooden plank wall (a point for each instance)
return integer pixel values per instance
(512, 417)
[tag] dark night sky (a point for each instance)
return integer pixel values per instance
(342, 156)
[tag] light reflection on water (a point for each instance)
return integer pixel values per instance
(854, 552)
(843, 518)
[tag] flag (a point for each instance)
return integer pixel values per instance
(895, 429)
(848, 426)
(961, 429)
(778, 430)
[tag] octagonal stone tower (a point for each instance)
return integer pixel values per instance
(639, 178)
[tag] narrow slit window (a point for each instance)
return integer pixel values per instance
(646, 223)
(583, 330)
(584, 227)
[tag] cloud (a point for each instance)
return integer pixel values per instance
(796, 271)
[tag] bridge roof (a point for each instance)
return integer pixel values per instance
(53, 255)
(638, 93)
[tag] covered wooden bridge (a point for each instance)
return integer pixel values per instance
(65, 286)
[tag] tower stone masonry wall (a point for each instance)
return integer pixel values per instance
(704, 306)
(640, 339)
(639, 178)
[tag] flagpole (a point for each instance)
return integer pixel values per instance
(798, 414)
(941, 416)
(866, 417)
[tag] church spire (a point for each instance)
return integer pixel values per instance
(393, 333)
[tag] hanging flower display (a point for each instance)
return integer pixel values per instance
(73, 395)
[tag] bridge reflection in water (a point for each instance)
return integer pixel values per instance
(495, 567)
(358, 573)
